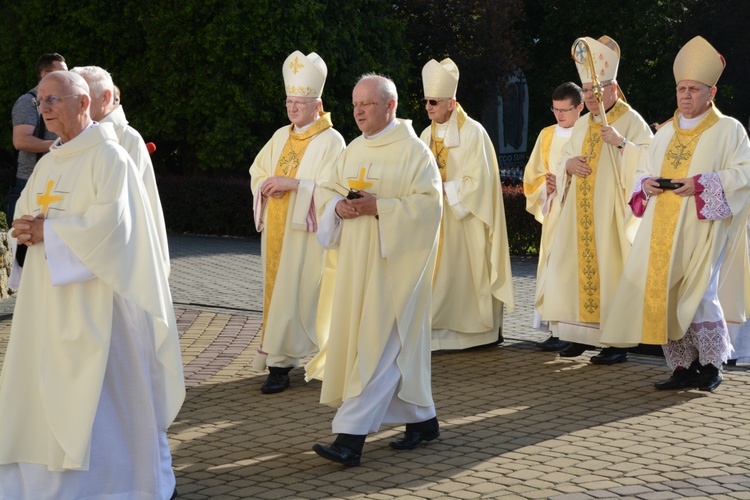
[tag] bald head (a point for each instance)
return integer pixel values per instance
(64, 103)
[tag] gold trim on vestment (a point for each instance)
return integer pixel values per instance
(547, 134)
(441, 157)
(589, 289)
(675, 165)
(277, 208)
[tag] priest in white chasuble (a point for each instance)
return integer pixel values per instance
(92, 376)
(595, 227)
(472, 278)
(687, 275)
(540, 187)
(375, 364)
(285, 177)
(104, 110)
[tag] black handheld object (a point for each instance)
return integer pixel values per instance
(668, 184)
(353, 195)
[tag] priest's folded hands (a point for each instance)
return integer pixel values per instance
(366, 204)
(28, 229)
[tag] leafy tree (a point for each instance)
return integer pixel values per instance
(480, 36)
(648, 32)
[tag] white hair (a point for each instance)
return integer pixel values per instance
(385, 86)
(98, 79)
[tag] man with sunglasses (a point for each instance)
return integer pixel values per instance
(284, 178)
(595, 228)
(472, 276)
(30, 137)
(540, 187)
(92, 376)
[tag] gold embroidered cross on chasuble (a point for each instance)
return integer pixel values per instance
(277, 208)
(676, 165)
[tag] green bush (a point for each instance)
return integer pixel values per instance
(201, 205)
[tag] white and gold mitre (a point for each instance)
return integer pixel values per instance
(606, 56)
(698, 60)
(304, 75)
(440, 79)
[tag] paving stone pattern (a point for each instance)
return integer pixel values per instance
(515, 422)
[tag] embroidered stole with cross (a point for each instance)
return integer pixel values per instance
(675, 165)
(441, 157)
(277, 208)
(588, 264)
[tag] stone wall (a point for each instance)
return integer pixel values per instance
(6, 262)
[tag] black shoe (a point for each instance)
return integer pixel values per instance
(710, 378)
(680, 379)
(574, 349)
(277, 381)
(338, 453)
(429, 430)
(553, 344)
(610, 356)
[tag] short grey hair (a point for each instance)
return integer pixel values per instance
(386, 87)
(98, 79)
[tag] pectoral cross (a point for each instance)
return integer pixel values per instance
(679, 157)
(46, 199)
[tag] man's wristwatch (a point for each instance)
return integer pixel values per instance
(623, 143)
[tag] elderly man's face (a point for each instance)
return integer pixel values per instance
(441, 111)
(694, 98)
(61, 115)
(609, 96)
(370, 112)
(301, 110)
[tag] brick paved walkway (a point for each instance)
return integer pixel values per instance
(515, 422)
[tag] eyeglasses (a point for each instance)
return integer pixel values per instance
(51, 100)
(356, 105)
(558, 110)
(300, 104)
(601, 87)
(432, 102)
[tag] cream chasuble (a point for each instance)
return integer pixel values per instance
(292, 259)
(94, 200)
(131, 140)
(544, 159)
(677, 277)
(593, 234)
(473, 276)
(384, 270)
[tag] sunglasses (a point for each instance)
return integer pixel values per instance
(432, 102)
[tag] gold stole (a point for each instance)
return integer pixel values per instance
(277, 208)
(675, 165)
(441, 156)
(547, 133)
(588, 266)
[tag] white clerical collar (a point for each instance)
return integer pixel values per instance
(441, 129)
(299, 130)
(691, 123)
(386, 129)
(59, 143)
(562, 131)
